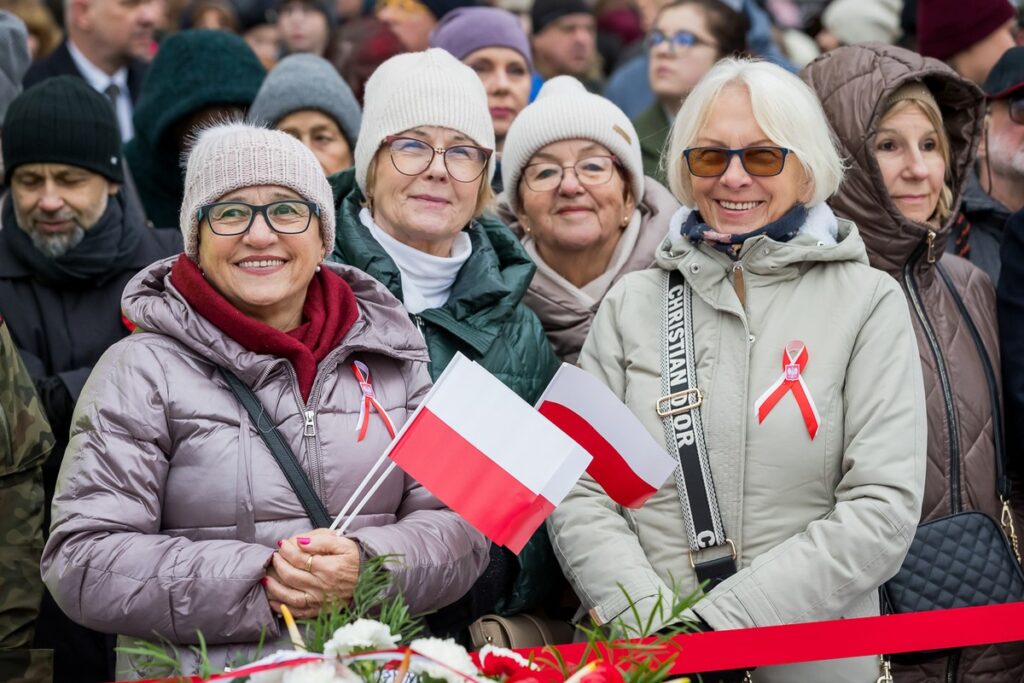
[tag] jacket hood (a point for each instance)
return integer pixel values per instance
(194, 70)
(488, 288)
(853, 84)
(154, 305)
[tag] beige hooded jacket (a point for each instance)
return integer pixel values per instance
(565, 311)
(818, 524)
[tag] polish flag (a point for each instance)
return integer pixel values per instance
(488, 455)
(627, 462)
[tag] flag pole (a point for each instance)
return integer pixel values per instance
(359, 489)
(366, 499)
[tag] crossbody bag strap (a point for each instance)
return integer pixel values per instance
(291, 468)
(1003, 486)
(679, 408)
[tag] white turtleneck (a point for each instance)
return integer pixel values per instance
(426, 279)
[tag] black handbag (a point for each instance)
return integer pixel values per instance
(965, 559)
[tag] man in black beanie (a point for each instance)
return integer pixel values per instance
(68, 247)
(565, 41)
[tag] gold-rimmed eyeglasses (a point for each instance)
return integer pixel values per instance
(464, 163)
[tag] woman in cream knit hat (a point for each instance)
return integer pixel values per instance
(411, 215)
(576, 195)
(173, 518)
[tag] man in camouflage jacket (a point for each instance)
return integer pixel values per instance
(25, 443)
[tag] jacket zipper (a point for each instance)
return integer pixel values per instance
(416, 318)
(940, 363)
(309, 420)
(952, 664)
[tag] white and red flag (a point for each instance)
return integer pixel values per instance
(627, 462)
(487, 454)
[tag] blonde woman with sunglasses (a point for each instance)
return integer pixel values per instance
(805, 402)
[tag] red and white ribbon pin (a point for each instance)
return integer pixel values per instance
(362, 374)
(794, 360)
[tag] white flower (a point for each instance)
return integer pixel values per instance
(487, 650)
(447, 652)
(360, 635)
(315, 672)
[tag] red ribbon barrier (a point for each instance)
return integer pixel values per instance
(815, 641)
(866, 636)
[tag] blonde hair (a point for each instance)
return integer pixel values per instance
(944, 208)
(785, 108)
(39, 21)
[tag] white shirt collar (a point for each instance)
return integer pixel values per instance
(427, 280)
(95, 76)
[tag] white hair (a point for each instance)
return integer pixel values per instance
(785, 108)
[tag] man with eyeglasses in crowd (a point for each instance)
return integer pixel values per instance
(70, 244)
(996, 188)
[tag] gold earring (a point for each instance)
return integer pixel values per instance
(625, 221)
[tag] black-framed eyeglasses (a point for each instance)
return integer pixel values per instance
(545, 176)
(464, 163)
(1015, 105)
(674, 40)
(761, 160)
(288, 217)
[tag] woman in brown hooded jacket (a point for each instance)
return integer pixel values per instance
(855, 85)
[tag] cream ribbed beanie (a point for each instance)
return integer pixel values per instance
(229, 156)
(564, 110)
(429, 88)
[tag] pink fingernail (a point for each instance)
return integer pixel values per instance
(280, 543)
(303, 540)
(264, 581)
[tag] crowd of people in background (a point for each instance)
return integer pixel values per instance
(204, 202)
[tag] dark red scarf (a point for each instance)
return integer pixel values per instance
(328, 313)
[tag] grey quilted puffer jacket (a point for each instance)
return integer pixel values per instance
(169, 505)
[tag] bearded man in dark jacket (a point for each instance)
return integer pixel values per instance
(69, 243)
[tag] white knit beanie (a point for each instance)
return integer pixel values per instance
(229, 156)
(429, 88)
(564, 110)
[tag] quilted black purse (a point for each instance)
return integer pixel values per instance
(965, 559)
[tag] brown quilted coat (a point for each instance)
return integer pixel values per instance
(853, 83)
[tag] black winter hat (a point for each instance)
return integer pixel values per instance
(1007, 76)
(62, 120)
(545, 12)
(440, 8)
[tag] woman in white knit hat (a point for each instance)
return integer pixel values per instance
(410, 215)
(174, 517)
(576, 195)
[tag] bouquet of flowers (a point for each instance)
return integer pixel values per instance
(374, 639)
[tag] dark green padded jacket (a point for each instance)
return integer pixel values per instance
(484, 317)
(485, 320)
